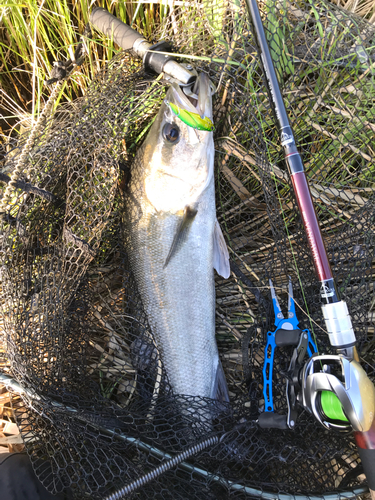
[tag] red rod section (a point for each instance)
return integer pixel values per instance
(310, 222)
(366, 440)
(366, 449)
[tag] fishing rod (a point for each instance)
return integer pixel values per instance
(352, 390)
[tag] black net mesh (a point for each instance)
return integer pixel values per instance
(100, 412)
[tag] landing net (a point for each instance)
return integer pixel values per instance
(98, 412)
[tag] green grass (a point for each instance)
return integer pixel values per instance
(35, 34)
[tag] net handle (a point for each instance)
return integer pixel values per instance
(108, 24)
(334, 310)
(154, 56)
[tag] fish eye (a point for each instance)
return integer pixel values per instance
(171, 133)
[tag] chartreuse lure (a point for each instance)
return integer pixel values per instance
(191, 119)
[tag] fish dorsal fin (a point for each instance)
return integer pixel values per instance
(221, 255)
(186, 219)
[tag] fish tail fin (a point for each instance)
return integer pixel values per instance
(220, 388)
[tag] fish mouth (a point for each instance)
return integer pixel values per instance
(194, 110)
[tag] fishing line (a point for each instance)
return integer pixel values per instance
(200, 58)
(306, 312)
(295, 262)
(283, 214)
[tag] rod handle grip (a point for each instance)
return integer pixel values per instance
(108, 24)
(366, 448)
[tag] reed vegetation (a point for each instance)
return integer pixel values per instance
(34, 34)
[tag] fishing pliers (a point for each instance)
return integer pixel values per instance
(287, 333)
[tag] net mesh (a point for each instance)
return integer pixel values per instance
(99, 412)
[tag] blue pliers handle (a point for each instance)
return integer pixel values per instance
(286, 333)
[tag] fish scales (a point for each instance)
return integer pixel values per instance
(178, 294)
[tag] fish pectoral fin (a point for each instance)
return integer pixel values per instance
(220, 388)
(221, 254)
(186, 220)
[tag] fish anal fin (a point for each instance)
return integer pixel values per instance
(220, 388)
(186, 219)
(221, 254)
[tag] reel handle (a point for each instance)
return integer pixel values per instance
(271, 420)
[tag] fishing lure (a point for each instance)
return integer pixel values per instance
(191, 119)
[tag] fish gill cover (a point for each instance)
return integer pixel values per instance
(100, 410)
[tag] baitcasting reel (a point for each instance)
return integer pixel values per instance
(338, 392)
(334, 388)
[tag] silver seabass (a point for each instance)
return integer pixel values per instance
(174, 242)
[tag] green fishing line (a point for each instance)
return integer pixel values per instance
(331, 406)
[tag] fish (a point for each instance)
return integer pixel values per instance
(174, 240)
